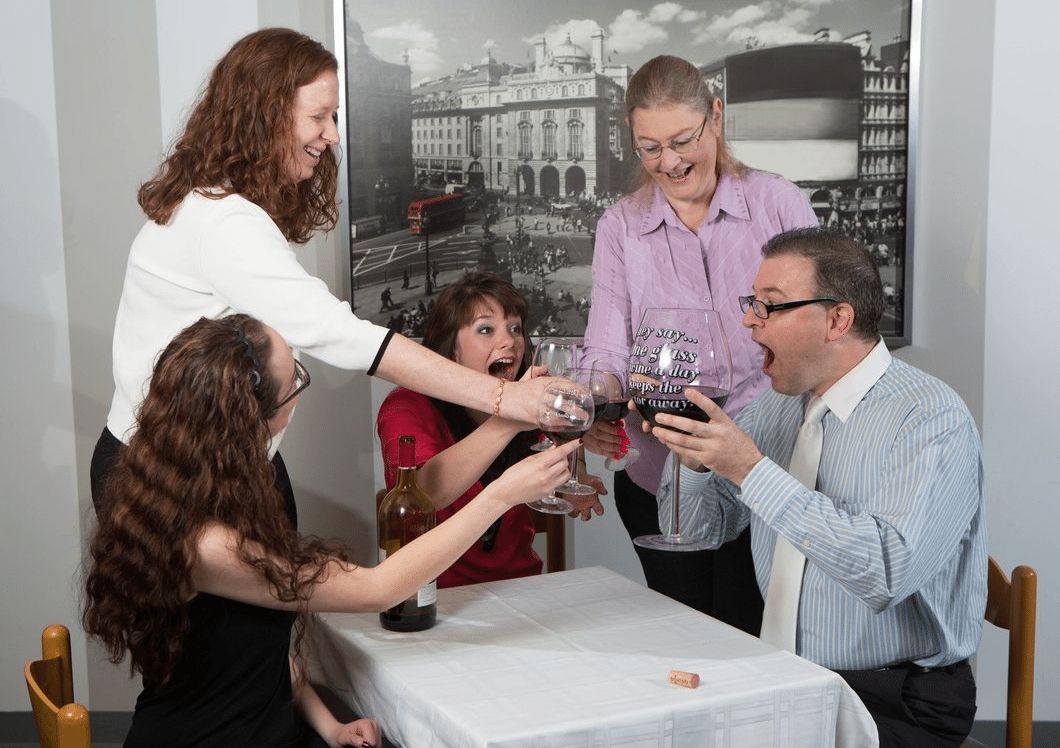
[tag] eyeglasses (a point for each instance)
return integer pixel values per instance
(301, 381)
(762, 310)
(686, 145)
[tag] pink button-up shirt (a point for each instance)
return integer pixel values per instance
(645, 257)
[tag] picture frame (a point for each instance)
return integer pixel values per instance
(493, 136)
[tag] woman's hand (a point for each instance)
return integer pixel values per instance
(361, 733)
(535, 476)
(517, 425)
(607, 438)
(520, 400)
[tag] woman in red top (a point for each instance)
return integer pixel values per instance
(479, 322)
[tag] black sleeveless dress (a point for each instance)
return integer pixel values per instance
(231, 686)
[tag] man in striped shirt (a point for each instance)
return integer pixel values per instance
(894, 586)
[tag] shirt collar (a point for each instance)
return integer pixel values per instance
(728, 196)
(843, 396)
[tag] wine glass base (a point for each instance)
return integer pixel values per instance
(551, 505)
(671, 542)
(624, 461)
(541, 446)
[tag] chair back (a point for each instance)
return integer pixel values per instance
(1012, 606)
(554, 527)
(60, 722)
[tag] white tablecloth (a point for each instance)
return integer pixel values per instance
(574, 659)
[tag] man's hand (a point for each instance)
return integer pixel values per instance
(719, 444)
(586, 505)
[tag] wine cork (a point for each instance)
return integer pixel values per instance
(682, 678)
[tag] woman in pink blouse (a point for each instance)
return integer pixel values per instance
(690, 235)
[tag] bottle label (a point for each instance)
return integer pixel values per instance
(427, 594)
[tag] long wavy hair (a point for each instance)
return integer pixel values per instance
(456, 308)
(238, 137)
(666, 80)
(198, 456)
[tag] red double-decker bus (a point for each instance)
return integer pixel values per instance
(439, 211)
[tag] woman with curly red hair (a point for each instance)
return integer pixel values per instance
(254, 171)
(198, 573)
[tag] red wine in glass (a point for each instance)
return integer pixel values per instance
(650, 407)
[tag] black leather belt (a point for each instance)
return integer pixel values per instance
(914, 668)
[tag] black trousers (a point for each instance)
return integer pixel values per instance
(719, 583)
(917, 708)
(109, 446)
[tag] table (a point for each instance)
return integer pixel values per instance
(579, 658)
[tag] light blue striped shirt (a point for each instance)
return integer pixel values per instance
(894, 537)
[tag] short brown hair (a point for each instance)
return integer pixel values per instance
(843, 270)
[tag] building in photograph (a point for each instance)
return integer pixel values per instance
(831, 117)
(554, 128)
(794, 109)
(378, 142)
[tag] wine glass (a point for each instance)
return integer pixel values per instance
(565, 413)
(616, 404)
(557, 354)
(675, 350)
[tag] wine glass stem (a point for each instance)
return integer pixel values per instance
(675, 524)
(573, 467)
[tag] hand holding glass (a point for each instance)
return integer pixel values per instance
(556, 354)
(616, 405)
(566, 411)
(675, 350)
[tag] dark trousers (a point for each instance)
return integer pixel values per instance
(108, 447)
(719, 583)
(914, 708)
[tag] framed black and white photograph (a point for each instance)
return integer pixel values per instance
(492, 135)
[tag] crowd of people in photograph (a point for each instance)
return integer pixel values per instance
(198, 573)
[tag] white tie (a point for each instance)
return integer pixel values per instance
(785, 580)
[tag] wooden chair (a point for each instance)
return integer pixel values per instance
(555, 528)
(60, 722)
(553, 525)
(1012, 606)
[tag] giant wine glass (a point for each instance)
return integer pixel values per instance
(675, 350)
(557, 354)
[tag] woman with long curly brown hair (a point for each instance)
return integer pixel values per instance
(198, 573)
(255, 170)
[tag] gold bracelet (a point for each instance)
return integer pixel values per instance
(498, 396)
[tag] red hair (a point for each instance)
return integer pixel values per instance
(238, 137)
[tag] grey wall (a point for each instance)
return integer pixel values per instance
(91, 92)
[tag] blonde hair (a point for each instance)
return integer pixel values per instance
(667, 81)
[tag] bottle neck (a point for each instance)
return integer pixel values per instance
(406, 476)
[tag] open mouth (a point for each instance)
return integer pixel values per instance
(313, 152)
(680, 174)
(768, 357)
(503, 368)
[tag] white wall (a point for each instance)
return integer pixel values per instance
(1021, 353)
(88, 96)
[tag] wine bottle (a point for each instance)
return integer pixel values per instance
(405, 513)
